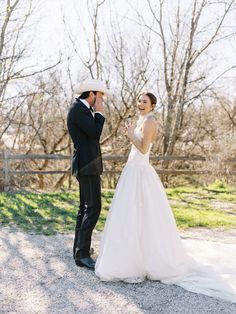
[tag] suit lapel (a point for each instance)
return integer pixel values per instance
(82, 104)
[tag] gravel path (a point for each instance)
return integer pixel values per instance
(38, 275)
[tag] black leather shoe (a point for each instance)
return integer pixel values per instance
(85, 262)
(91, 252)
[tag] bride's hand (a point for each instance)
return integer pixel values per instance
(129, 130)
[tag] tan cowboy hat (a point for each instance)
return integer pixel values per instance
(92, 85)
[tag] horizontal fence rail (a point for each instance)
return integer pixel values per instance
(108, 157)
(7, 171)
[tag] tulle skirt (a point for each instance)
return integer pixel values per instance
(141, 241)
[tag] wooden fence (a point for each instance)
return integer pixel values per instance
(6, 171)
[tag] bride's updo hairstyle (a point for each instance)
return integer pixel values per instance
(152, 98)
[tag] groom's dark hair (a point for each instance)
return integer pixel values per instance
(85, 95)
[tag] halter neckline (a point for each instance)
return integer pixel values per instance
(142, 118)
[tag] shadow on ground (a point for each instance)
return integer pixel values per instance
(38, 275)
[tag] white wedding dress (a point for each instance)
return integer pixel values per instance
(140, 239)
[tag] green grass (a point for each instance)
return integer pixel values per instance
(210, 207)
(213, 206)
(42, 213)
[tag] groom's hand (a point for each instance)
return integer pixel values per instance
(98, 106)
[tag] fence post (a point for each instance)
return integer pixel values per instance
(6, 172)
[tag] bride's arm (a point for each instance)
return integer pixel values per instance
(143, 144)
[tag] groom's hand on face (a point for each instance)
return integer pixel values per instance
(98, 105)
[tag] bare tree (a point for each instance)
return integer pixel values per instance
(40, 126)
(14, 49)
(173, 51)
(184, 43)
(122, 65)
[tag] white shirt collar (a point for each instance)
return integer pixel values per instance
(85, 103)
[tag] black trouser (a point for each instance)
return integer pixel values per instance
(88, 214)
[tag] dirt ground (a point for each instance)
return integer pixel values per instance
(38, 275)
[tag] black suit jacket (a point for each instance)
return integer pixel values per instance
(85, 131)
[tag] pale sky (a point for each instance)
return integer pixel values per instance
(50, 34)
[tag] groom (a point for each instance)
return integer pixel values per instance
(85, 122)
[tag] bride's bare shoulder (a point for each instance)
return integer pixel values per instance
(151, 121)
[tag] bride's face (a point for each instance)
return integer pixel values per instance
(144, 105)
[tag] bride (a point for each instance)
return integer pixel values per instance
(140, 239)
